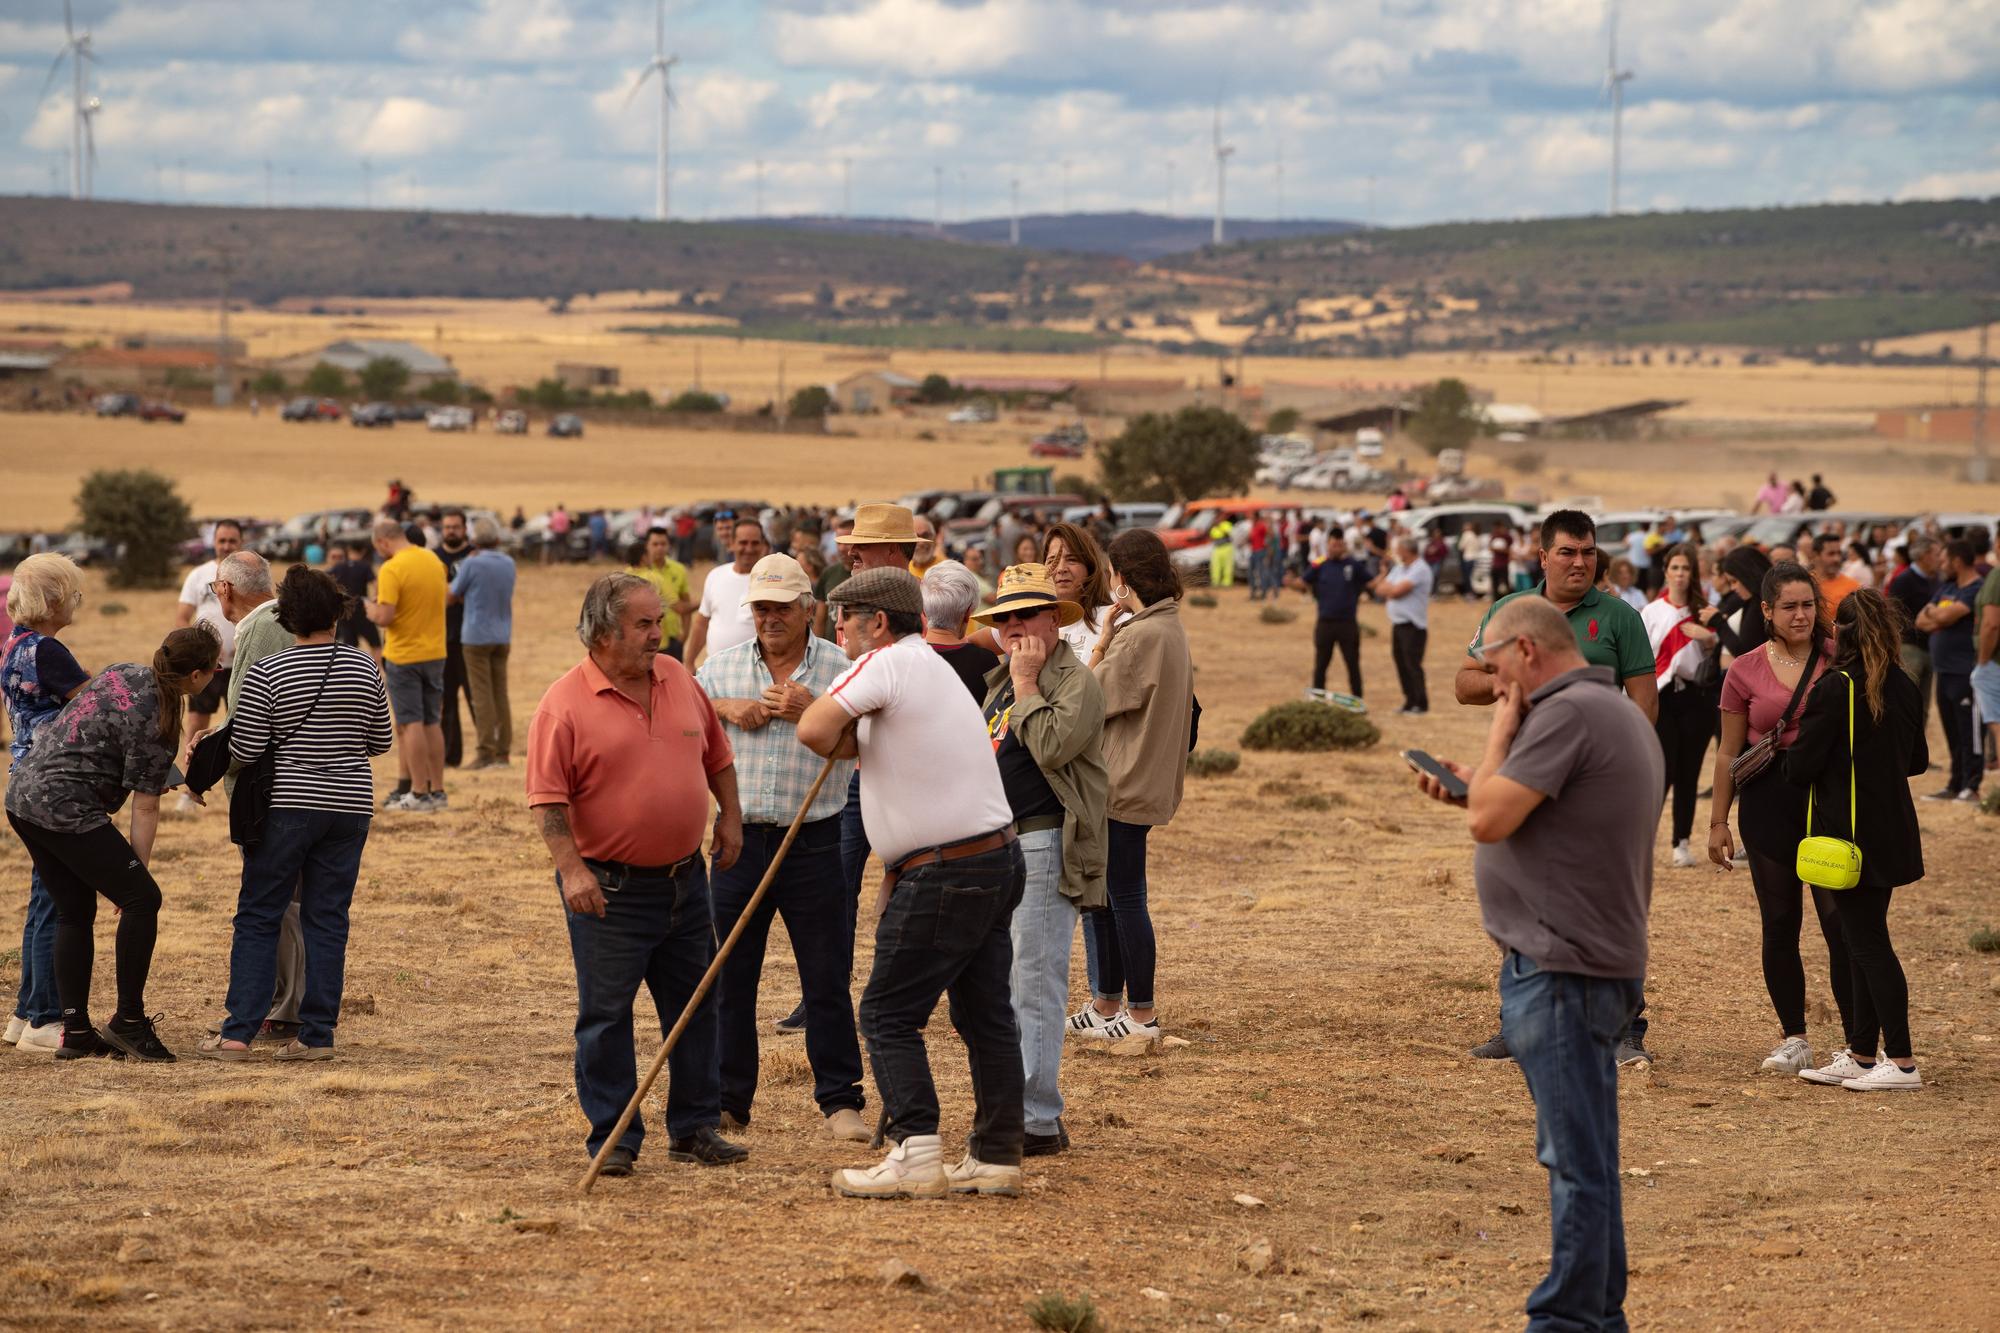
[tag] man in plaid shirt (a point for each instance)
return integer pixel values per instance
(759, 689)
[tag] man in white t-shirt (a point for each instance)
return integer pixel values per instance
(936, 812)
(199, 604)
(723, 621)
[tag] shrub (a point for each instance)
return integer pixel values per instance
(384, 377)
(694, 400)
(1277, 615)
(1213, 763)
(1201, 599)
(1305, 725)
(1056, 1313)
(1989, 804)
(325, 381)
(140, 511)
(1985, 940)
(1311, 800)
(811, 401)
(268, 381)
(1283, 421)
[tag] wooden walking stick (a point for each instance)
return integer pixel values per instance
(707, 980)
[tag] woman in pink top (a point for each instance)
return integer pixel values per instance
(1757, 697)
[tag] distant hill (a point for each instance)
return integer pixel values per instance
(1139, 236)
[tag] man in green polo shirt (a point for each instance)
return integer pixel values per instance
(1608, 632)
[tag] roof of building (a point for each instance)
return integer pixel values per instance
(354, 353)
(1011, 384)
(895, 379)
(25, 361)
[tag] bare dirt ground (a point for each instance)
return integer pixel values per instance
(1319, 947)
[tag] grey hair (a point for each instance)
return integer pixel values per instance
(604, 607)
(1408, 546)
(1921, 544)
(1535, 619)
(246, 572)
(485, 533)
(950, 591)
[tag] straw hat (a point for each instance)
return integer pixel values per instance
(874, 524)
(777, 578)
(1028, 588)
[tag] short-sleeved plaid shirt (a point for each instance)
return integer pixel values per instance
(774, 771)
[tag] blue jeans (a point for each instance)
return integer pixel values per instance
(37, 1003)
(945, 931)
(1562, 1029)
(853, 863)
(1125, 930)
(1043, 930)
(809, 894)
(318, 854)
(658, 930)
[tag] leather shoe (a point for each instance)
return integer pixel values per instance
(706, 1147)
(619, 1163)
(1045, 1145)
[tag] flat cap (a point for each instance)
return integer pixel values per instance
(886, 589)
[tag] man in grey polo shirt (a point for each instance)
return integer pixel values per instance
(1405, 589)
(1563, 806)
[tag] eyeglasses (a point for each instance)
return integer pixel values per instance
(855, 611)
(1002, 617)
(1483, 654)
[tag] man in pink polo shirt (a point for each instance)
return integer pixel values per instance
(623, 754)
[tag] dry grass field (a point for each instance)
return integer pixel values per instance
(1320, 949)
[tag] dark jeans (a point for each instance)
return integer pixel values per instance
(1781, 905)
(945, 932)
(1686, 721)
(1954, 703)
(75, 868)
(853, 865)
(1124, 930)
(454, 685)
(37, 1003)
(657, 930)
(1881, 994)
(317, 854)
(1406, 648)
(809, 894)
(1562, 1030)
(1326, 633)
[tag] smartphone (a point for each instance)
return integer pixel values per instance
(175, 777)
(1453, 785)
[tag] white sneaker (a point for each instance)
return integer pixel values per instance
(1792, 1055)
(407, 802)
(1122, 1025)
(15, 1027)
(914, 1169)
(1886, 1076)
(973, 1176)
(1087, 1022)
(1970, 795)
(1683, 856)
(47, 1037)
(1842, 1067)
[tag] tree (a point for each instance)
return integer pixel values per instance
(269, 381)
(694, 400)
(1197, 451)
(140, 512)
(441, 391)
(811, 401)
(384, 377)
(935, 389)
(1282, 421)
(1445, 417)
(325, 381)
(551, 395)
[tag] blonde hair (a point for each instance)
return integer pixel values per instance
(42, 585)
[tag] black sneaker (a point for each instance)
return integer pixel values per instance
(794, 1022)
(135, 1037)
(619, 1162)
(1946, 794)
(87, 1045)
(706, 1147)
(1045, 1145)
(1493, 1048)
(1631, 1054)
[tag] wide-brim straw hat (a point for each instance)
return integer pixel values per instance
(1028, 588)
(875, 524)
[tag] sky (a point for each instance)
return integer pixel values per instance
(1387, 112)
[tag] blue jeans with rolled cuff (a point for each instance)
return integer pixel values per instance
(37, 1003)
(317, 855)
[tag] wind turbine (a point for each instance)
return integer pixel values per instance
(661, 64)
(91, 106)
(1222, 154)
(76, 50)
(1615, 80)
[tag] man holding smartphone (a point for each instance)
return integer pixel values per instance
(1565, 754)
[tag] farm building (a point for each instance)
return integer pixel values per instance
(351, 354)
(584, 378)
(873, 390)
(1938, 425)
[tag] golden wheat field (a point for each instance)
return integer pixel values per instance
(1319, 949)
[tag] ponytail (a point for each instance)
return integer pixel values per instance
(182, 653)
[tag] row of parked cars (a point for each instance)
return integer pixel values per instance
(132, 405)
(371, 416)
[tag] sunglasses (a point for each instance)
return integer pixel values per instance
(1002, 617)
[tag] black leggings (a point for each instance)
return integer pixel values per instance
(1781, 904)
(1687, 718)
(1881, 995)
(75, 868)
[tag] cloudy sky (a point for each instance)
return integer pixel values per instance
(1390, 111)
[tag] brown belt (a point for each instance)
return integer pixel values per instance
(950, 851)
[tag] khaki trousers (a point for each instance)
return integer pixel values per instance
(486, 681)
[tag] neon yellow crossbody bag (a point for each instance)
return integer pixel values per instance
(1833, 863)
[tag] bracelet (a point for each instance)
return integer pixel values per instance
(1718, 823)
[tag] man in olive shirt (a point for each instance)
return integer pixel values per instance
(1986, 647)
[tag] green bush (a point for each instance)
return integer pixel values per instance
(1985, 940)
(1201, 599)
(1277, 615)
(1305, 725)
(141, 511)
(1213, 763)
(1282, 422)
(325, 381)
(1054, 1312)
(268, 381)
(1310, 800)
(811, 401)
(384, 377)
(1989, 804)
(694, 400)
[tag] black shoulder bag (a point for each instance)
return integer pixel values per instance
(250, 804)
(1748, 766)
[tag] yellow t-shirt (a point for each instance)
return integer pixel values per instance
(670, 580)
(413, 581)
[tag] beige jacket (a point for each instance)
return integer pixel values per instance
(1062, 727)
(1148, 683)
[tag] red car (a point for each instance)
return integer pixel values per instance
(1049, 447)
(154, 410)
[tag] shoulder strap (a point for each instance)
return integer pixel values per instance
(318, 694)
(1853, 812)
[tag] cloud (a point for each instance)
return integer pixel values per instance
(410, 127)
(1977, 184)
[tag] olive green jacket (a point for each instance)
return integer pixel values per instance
(1062, 726)
(258, 636)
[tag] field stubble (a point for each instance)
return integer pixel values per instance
(1326, 965)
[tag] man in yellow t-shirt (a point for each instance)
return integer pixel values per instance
(409, 605)
(669, 578)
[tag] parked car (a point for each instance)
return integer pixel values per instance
(372, 415)
(256, 531)
(1368, 442)
(312, 409)
(288, 541)
(449, 418)
(1046, 446)
(154, 409)
(958, 529)
(512, 422)
(1126, 514)
(1788, 529)
(412, 411)
(116, 404)
(973, 413)
(566, 425)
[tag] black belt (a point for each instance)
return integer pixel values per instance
(620, 871)
(1037, 823)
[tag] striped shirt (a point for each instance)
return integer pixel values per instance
(773, 770)
(322, 759)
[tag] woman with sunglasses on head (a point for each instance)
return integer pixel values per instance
(1860, 743)
(1765, 692)
(1681, 648)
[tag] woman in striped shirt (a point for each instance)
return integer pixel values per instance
(323, 707)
